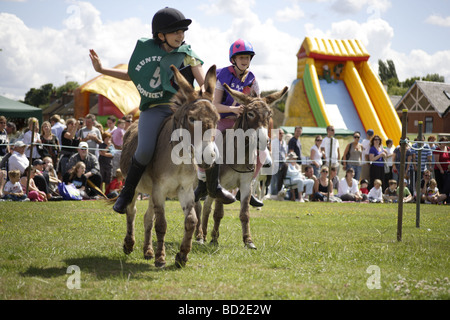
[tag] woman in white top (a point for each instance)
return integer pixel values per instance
(37, 137)
(316, 155)
(348, 187)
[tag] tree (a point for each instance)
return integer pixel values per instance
(39, 97)
(387, 71)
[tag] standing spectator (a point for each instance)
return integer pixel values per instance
(426, 158)
(117, 134)
(279, 152)
(389, 160)
(92, 166)
(4, 140)
(353, 155)
(69, 143)
(316, 155)
(365, 168)
(326, 147)
(295, 145)
(396, 163)
(50, 142)
(105, 159)
(128, 121)
(442, 161)
(90, 134)
(56, 126)
(111, 124)
(13, 134)
(376, 156)
(37, 137)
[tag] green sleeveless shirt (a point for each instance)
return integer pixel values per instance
(149, 69)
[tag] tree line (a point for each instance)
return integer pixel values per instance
(388, 76)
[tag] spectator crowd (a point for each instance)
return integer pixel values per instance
(370, 170)
(83, 153)
(78, 152)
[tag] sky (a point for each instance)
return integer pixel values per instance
(48, 41)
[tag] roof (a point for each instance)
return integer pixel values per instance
(123, 94)
(437, 94)
(319, 48)
(15, 109)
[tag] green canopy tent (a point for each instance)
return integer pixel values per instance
(15, 109)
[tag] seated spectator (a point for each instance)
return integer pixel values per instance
(52, 175)
(390, 194)
(116, 185)
(433, 195)
(348, 187)
(76, 175)
(424, 184)
(34, 194)
(376, 194)
(13, 189)
(323, 186)
(364, 184)
(407, 195)
(297, 178)
(92, 167)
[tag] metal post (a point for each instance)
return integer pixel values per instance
(402, 175)
(31, 157)
(419, 174)
(329, 171)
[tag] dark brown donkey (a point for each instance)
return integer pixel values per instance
(165, 176)
(239, 174)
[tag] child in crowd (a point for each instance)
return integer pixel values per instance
(105, 159)
(390, 194)
(376, 194)
(34, 194)
(433, 195)
(364, 184)
(78, 178)
(115, 186)
(13, 190)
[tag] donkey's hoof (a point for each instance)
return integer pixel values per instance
(160, 264)
(214, 242)
(127, 250)
(250, 245)
(200, 241)
(179, 261)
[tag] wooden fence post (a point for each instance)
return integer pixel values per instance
(402, 175)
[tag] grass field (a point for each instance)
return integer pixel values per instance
(305, 251)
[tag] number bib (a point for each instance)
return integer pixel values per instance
(149, 69)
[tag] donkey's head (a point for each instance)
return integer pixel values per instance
(257, 111)
(195, 113)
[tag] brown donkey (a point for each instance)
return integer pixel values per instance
(165, 176)
(234, 173)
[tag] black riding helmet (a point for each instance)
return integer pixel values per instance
(169, 20)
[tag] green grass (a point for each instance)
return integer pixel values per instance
(305, 251)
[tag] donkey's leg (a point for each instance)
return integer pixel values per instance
(198, 227)
(205, 215)
(160, 228)
(218, 215)
(129, 241)
(244, 216)
(149, 218)
(186, 198)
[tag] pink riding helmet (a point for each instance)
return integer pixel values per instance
(241, 47)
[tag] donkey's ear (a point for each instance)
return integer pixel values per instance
(272, 98)
(185, 87)
(210, 83)
(238, 96)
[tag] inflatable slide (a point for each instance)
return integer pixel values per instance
(336, 86)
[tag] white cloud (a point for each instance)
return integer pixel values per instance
(374, 7)
(290, 13)
(438, 20)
